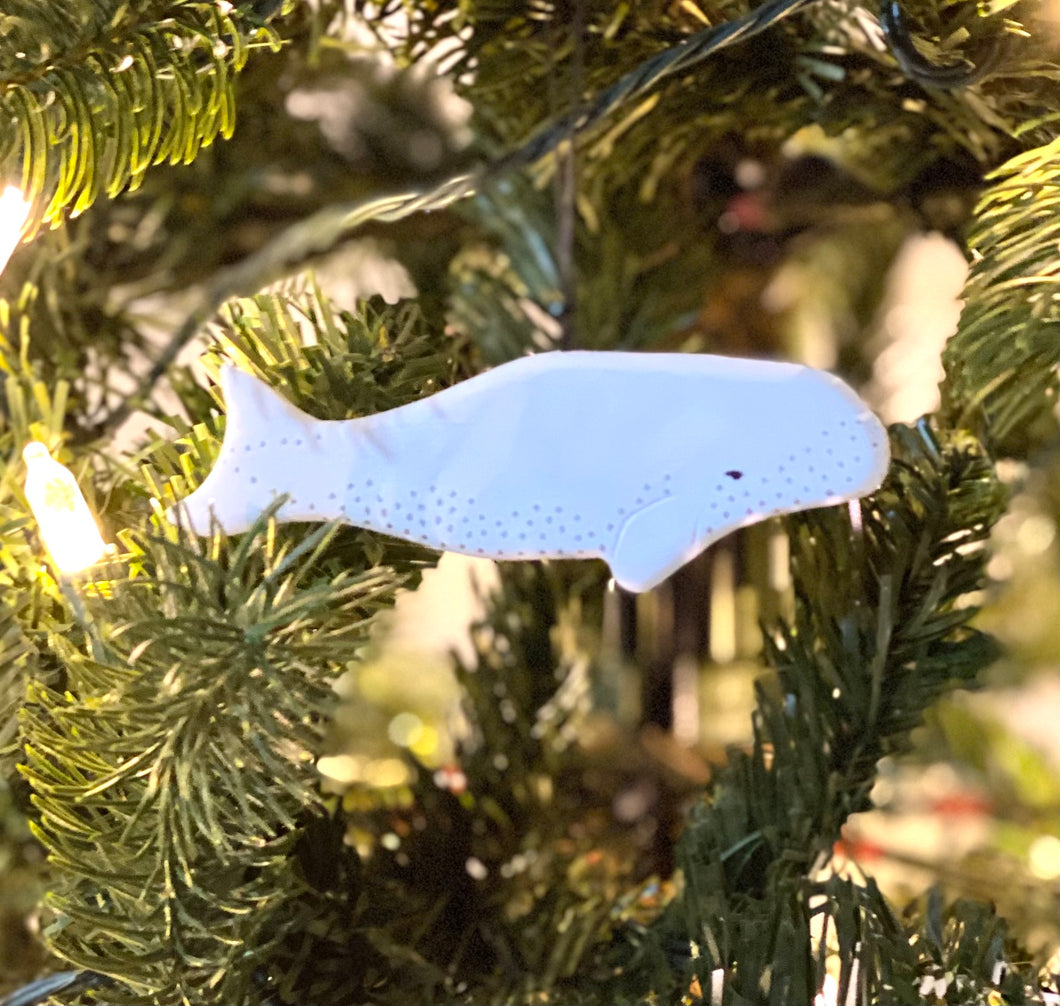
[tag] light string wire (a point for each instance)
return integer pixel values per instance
(325, 228)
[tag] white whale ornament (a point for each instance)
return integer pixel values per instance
(641, 459)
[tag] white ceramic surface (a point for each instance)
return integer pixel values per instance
(642, 459)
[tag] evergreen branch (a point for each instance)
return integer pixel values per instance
(297, 243)
(173, 771)
(324, 229)
(832, 66)
(921, 69)
(40, 991)
(525, 699)
(169, 819)
(13, 651)
(636, 84)
(529, 719)
(138, 90)
(880, 632)
(1007, 387)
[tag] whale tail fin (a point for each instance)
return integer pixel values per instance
(264, 452)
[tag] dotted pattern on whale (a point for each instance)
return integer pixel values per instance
(640, 459)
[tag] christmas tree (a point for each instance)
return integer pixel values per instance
(361, 205)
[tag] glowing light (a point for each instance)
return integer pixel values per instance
(341, 768)
(1036, 534)
(64, 518)
(829, 994)
(405, 729)
(385, 773)
(13, 213)
(1044, 856)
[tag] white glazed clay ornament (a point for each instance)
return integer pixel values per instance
(641, 459)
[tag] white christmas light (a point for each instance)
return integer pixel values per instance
(642, 459)
(63, 516)
(13, 213)
(829, 994)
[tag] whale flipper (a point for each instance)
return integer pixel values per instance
(654, 542)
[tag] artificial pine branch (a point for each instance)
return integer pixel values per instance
(175, 784)
(101, 91)
(1006, 388)
(325, 228)
(880, 632)
(829, 65)
(171, 782)
(12, 670)
(521, 813)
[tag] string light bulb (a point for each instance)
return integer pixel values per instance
(63, 515)
(13, 213)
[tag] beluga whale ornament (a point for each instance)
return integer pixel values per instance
(640, 459)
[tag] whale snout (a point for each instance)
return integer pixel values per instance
(877, 454)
